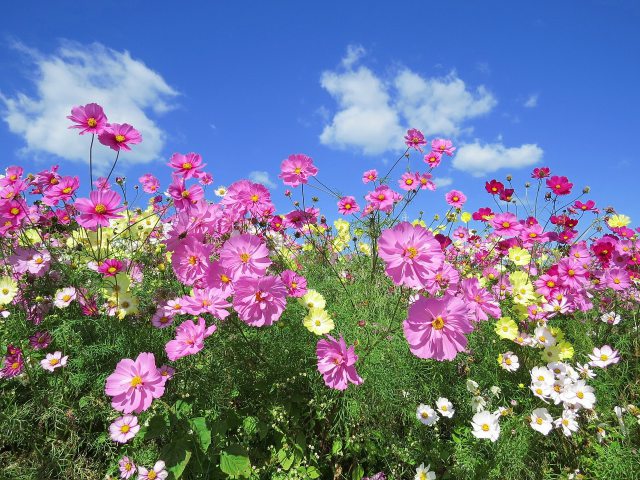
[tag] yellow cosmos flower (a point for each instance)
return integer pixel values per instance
(313, 299)
(8, 290)
(506, 328)
(318, 321)
(519, 256)
(617, 221)
(465, 217)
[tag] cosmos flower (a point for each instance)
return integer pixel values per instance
(259, 301)
(134, 384)
(297, 169)
(89, 118)
(336, 363)
(119, 137)
(98, 209)
(53, 361)
(124, 428)
(189, 339)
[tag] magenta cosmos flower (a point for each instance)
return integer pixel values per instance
(89, 119)
(117, 137)
(436, 327)
(442, 145)
(188, 166)
(110, 267)
(336, 363)
(98, 209)
(297, 169)
(189, 339)
(415, 139)
(410, 253)
(506, 224)
(347, 205)
(260, 301)
(124, 428)
(245, 255)
(134, 384)
(456, 198)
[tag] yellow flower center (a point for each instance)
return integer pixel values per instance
(5, 291)
(539, 421)
(604, 357)
(455, 199)
(100, 208)
(255, 198)
(135, 381)
(15, 365)
(318, 323)
(424, 414)
(92, 122)
(152, 475)
(53, 361)
(244, 257)
(506, 224)
(120, 138)
(580, 395)
(125, 428)
(66, 190)
(485, 427)
(185, 194)
(409, 181)
(187, 166)
(411, 252)
(14, 211)
(112, 269)
(381, 197)
(298, 170)
(66, 298)
(438, 323)
(508, 361)
(192, 260)
(224, 278)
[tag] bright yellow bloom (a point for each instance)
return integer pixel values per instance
(465, 217)
(419, 222)
(566, 350)
(616, 221)
(506, 328)
(318, 321)
(127, 304)
(551, 354)
(365, 248)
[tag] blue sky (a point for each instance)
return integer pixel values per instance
(247, 83)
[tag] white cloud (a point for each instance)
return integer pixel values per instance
(366, 120)
(479, 159)
(442, 181)
(262, 177)
(373, 114)
(79, 74)
(532, 101)
(354, 53)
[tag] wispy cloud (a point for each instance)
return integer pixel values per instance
(259, 176)
(75, 74)
(442, 181)
(531, 101)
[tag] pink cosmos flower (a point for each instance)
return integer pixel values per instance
(208, 300)
(296, 284)
(542, 172)
(415, 139)
(506, 224)
(559, 185)
(156, 473)
(369, 176)
(336, 363)
(245, 255)
(259, 301)
(166, 372)
(433, 159)
(188, 166)
(409, 181)
(124, 428)
(455, 198)
(617, 279)
(409, 252)
(426, 182)
(102, 183)
(347, 205)
(89, 119)
(442, 146)
(53, 361)
(480, 302)
(297, 169)
(127, 468)
(162, 318)
(62, 191)
(189, 339)
(110, 267)
(117, 137)
(383, 198)
(190, 260)
(98, 209)
(183, 197)
(134, 384)
(150, 184)
(436, 327)
(603, 357)
(64, 297)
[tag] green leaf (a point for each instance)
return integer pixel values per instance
(176, 456)
(182, 408)
(234, 462)
(203, 433)
(156, 428)
(337, 447)
(312, 472)
(357, 473)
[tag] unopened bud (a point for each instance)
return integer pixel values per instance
(586, 189)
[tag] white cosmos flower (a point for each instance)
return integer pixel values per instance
(424, 473)
(485, 425)
(426, 414)
(445, 407)
(568, 422)
(541, 421)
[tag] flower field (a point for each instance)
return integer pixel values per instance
(180, 330)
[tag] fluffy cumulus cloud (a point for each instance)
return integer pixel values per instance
(259, 176)
(373, 113)
(479, 159)
(130, 92)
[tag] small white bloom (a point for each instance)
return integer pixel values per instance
(473, 387)
(585, 371)
(424, 473)
(581, 394)
(541, 421)
(543, 375)
(541, 390)
(544, 337)
(478, 403)
(445, 407)
(603, 357)
(612, 318)
(220, 191)
(495, 390)
(485, 425)
(568, 422)
(426, 414)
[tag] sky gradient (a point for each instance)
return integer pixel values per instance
(246, 84)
